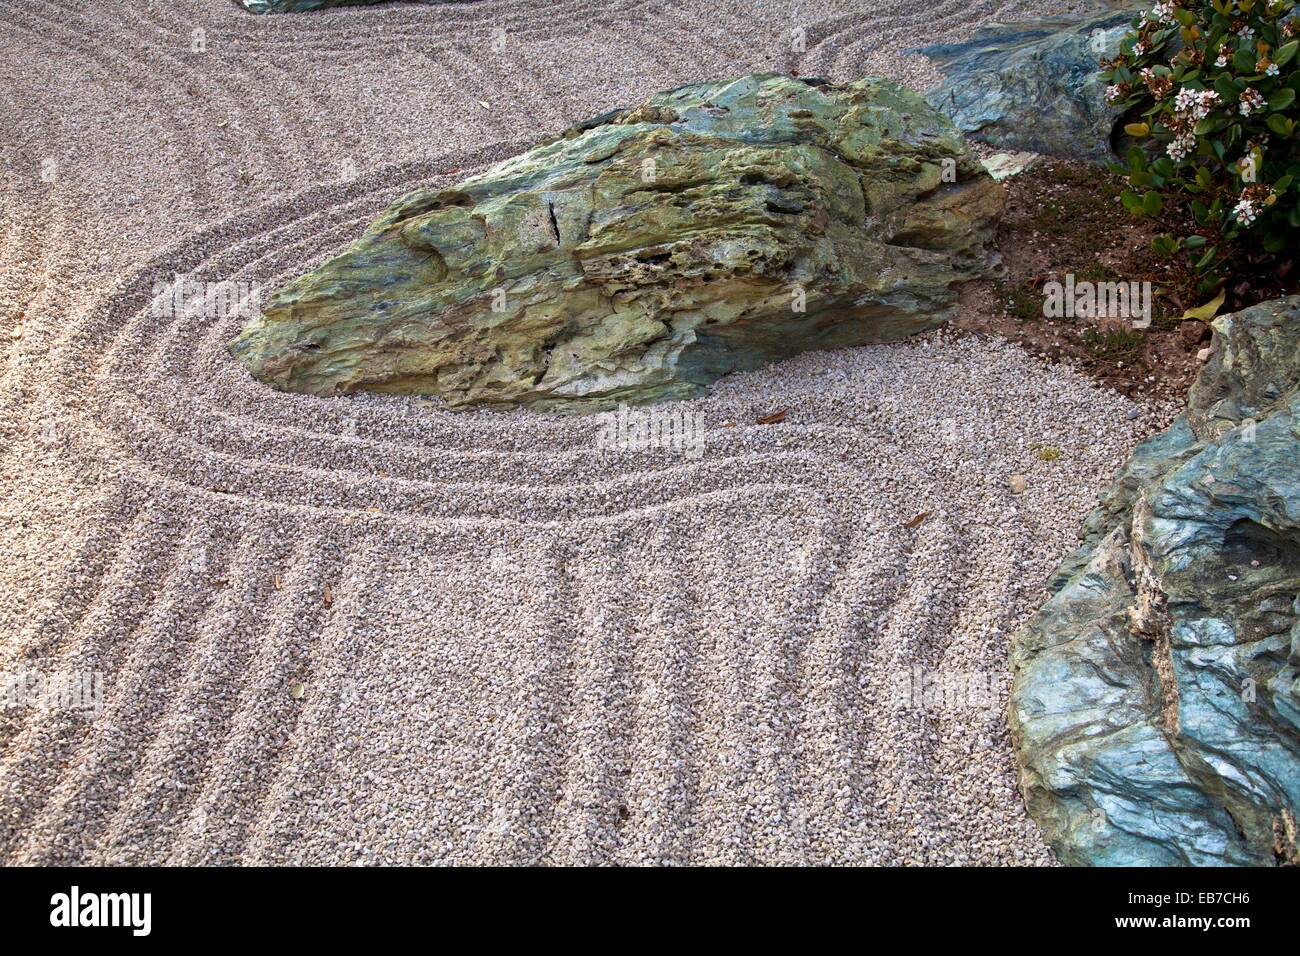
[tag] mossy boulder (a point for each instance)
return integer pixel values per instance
(641, 255)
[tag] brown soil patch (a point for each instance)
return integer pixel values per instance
(1065, 217)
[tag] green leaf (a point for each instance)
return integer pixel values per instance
(1142, 129)
(1281, 99)
(1284, 53)
(1281, 125)
(1132, 201)
(1152, 203)
(1209, 283)
(1164, 245)
(1226, 88)
(1205, 260)
(1243, 61)
(1283, 184)
(1194, 242)
(1207, 311)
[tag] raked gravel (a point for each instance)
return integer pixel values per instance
(368, 630)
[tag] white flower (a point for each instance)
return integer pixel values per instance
(1181, 146)
(1113, 93)
(1140, 48)
(1272, 70)
(1246, 32)
(1251, 101)
(1206, 101)
(1222, 61)
(1245, 212)
(1162, 12)
(1195, 103)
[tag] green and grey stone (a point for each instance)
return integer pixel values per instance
(1154, 708)
(1034, 85)
(640, 256)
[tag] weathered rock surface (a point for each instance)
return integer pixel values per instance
(640, 256)
(1033, 85)
(1154, 708)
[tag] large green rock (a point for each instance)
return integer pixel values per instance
(645, 253)
(1154, 707)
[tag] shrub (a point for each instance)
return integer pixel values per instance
(1211, 87)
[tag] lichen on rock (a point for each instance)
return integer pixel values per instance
(643, 254)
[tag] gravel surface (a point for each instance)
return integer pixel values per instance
(367, 630)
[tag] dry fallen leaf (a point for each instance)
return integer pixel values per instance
(728, 424)
(16, 332)
(485, 104)
(1207, 311)
(774, 417)
(327, 596)
(297, 690)
(918, 520)
(276, 582)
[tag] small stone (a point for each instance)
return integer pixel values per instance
(1193, 332)
(1017, 484)
(1204, 354)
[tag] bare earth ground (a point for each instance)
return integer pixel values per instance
(367, 630)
